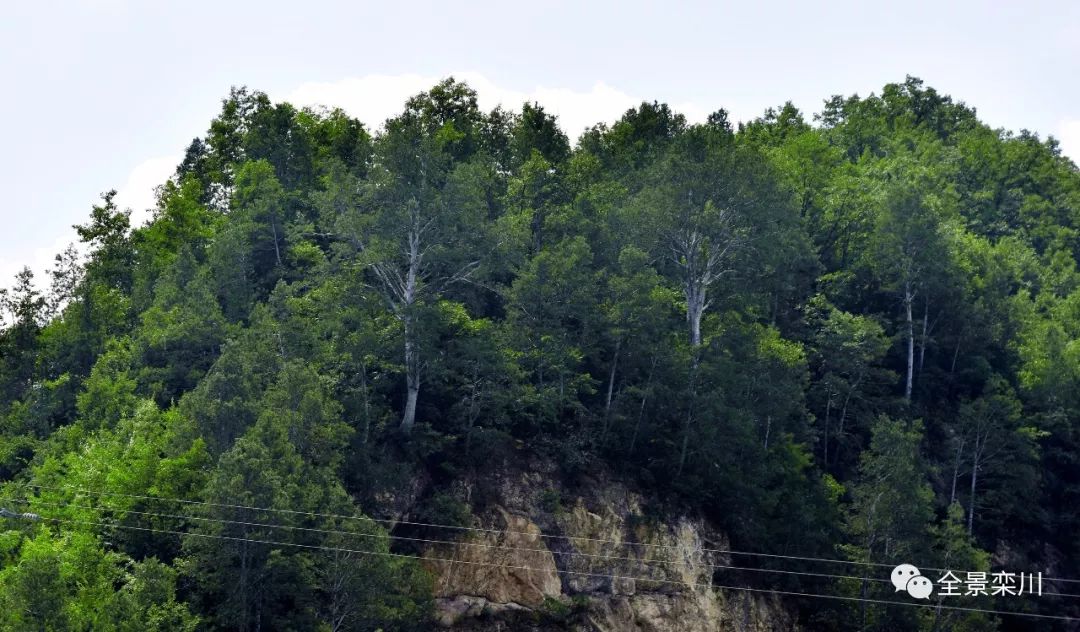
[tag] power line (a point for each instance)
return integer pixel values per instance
(515, 549)
(579, 573)
(466, 543)
(490, 530)
(714, 567)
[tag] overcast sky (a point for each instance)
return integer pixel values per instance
(101, 94)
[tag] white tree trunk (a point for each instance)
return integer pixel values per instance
(956, 468)
(409, 418)
(925, 333)
(277, 249)
(828, 412)
(412, 354)
(412, 377)
(976, 462)
(610, 389)
(695, 308)
(908, 298)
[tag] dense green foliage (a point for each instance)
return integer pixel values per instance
(778, 325)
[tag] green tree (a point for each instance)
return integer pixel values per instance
(891, 510)
(109, 236)
(25, 308)
(992, 442)
(848, 351)
(416, 227)
(908, 248)
(551, 309)
(69, 582)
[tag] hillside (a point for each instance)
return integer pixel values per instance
(456, 370)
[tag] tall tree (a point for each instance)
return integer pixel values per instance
(25, 308)
(416, 223)
(992, 441)
(890, 516)
(848, 351)
(909, 249)
(109, 236)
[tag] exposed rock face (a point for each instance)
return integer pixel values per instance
(543, 558)
(510, 566)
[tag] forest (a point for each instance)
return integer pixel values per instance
(849, 335)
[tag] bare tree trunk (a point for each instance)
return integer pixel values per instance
(473, 408)
(412, 355)
(976, 457)
(412, 375)
(908, 298)
(412, 379)
(702, 258)
(339, 607)
(277, 250)
(952, 367)
(828, 411)
(922, 338)
(956, 468)
(695, 307)
(843, 417)
(409, 418)
(610, 389)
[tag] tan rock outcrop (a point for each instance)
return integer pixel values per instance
(510, 566)
(597, 564)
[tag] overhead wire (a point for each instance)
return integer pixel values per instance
(498, 531)
(484, 545)
(710, 585)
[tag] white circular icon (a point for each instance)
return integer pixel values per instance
(902, 574)
(920, 587)
(907, 578)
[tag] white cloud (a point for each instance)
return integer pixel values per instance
(1069, 136)
(374, 98)
(136, 194)
(39, 260)
(138, 191)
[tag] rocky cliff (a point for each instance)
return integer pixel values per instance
(541, 556)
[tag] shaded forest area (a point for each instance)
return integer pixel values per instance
(849, 336)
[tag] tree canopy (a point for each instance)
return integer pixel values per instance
(851, 335)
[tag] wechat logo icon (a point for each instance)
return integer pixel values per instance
(908, 579)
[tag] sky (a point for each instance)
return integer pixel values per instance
(106, 94)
